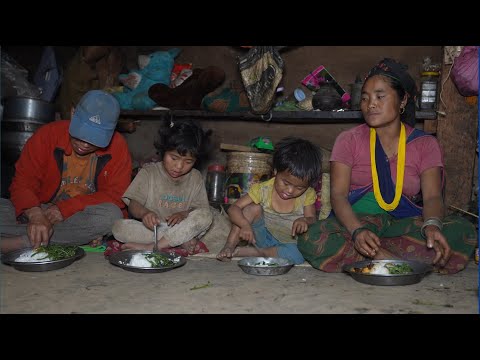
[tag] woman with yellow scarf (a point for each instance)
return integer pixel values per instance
(386, 187)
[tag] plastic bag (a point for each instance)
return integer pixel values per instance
(48, 76)
(14, 79)
(261, 70)
(465, 71)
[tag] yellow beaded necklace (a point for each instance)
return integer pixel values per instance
(400, 170)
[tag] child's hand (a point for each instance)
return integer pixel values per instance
(176, 218)
(246, 233)
(299, 226)
(150, 219)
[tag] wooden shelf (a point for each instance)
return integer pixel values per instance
(304, 117)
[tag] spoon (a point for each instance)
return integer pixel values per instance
(155, 244)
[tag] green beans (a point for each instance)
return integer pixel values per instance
(158, 260)
(56, 252)
(398, 268)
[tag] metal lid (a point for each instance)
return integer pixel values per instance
(430, 73)
(299, 94)
(216, 167)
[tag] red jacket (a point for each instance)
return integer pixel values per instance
(39, 171)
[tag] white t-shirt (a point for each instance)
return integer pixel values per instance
(157, 191)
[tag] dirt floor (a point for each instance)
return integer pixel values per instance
(92, 285)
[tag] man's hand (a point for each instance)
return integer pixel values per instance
(39, 228)
(53, 214)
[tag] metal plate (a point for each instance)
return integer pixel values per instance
(9, 259)
(251, 266)
(419, 271)
(122, 259)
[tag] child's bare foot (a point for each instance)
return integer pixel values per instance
(190, 246)
(96, 242)
(227, 253)
(247, 251)
(137, 246)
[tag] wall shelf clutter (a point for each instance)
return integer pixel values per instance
(304, 117)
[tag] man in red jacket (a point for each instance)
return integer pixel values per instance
(69, 179)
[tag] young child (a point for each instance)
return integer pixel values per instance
(171, 192)
(275, 211)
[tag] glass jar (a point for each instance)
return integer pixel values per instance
(429, 90)
(215, 183)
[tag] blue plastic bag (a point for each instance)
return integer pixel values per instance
(49, 75)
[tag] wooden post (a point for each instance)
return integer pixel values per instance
(430, 126)
(457, 134)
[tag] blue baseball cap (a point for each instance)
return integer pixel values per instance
(95, 118)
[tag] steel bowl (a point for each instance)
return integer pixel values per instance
(265, 265)
(122, 259)
(419, 271)
(9, 259)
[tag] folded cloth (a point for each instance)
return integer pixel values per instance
(200, 247)
(100, 247)
(89, 248)
(189, 95)
(114, 246)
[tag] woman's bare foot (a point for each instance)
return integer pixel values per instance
(190, 246)
(227, 253)
(96, 242)
(137, 246)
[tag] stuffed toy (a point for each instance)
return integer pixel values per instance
(229, 99)
(189, 95)
(154, 69)
(92, 67)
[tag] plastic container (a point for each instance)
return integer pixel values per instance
(299, 95)
(244, 170)
(215, 183)
(429, 90)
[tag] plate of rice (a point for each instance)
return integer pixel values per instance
(146, 261)
(44, 258)
(388, 272)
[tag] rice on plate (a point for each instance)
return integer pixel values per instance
(33, 256)
(379, 269)
(142, 260)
